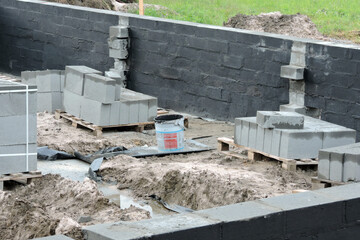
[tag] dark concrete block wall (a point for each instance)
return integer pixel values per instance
(332, 80)
(207, 70)
(212, 71)
(37, 36)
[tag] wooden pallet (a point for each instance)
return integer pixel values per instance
(98, 130)
(224, 144)
(324, 183)
(7, 78)
(24, 178)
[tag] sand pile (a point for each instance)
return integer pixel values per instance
(53, 205)
(202, 181)
(274, 22)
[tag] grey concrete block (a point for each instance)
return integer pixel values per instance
(75, 76)
(352, 167)
(134, 107)
(15, 103)
(46, 81)
(281, 120)
(95, 112)
(237, 132)
(249, 220)
(17, 164)
(120, 79)
(49, 101)
(124, 113)
(339, 136)
(293, 108)
(275, 142)
(169, 227)
(324, 165)
(298, 144)
(13, 129)
(292, 72)
(119, 44)
(120, 65)
(252, 133)
(344, 162)
(99, 88)
(153, 106)
(72, 103)
(118, 53)
(115, 113)
(308, 205)
(18, 148)
(244, 137)
(260, 137)
(119, 32)
(62, 81)
(297, 59)
(268, 140)
(336, 166)
(143, 110)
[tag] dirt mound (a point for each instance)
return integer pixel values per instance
(60, 135)
(104, 4)
(202, 182)
(274, 22)
(53, 204)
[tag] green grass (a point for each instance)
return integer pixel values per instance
(339, 18)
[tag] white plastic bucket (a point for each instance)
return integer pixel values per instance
(170, 132)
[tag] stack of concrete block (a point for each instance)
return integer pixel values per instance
(290, 135)
(92, 97)
(340, 164)
(50, 85)
(118, 49)
(18, 130)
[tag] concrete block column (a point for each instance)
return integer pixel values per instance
(119, 43)
(295, 73)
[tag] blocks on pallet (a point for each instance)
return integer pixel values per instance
(103, 101)
(341, 164)
(281, 120)
(291, 143)
(18, 131)
(50, 85)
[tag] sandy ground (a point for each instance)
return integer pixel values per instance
(53, 205)
(60, 135)
(197, 181)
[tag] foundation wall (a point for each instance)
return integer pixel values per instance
(35, 35)
(211, 71)
(327, 214)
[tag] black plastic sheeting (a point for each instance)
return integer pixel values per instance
(171, 207)
(45, 153)
(103, 153)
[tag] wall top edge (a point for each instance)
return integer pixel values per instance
(214, 27)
